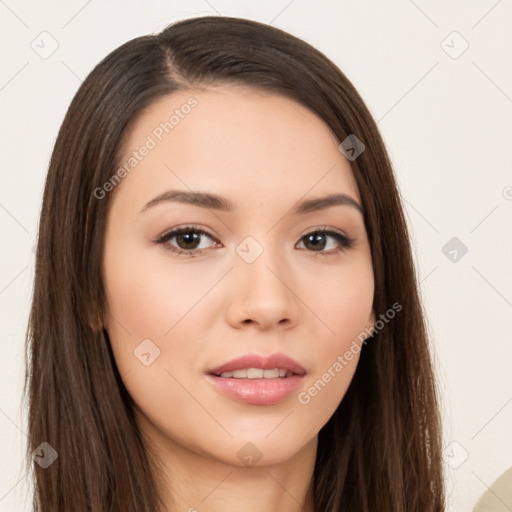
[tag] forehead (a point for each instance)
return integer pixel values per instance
(235, 141)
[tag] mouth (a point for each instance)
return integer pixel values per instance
(258, 380)
(256, 373)
(255, 366)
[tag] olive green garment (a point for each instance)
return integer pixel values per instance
(498, 498)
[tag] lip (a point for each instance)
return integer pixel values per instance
(258, 391)
(270, 362)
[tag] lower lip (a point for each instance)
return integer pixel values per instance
(258, 391)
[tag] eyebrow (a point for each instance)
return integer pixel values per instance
(217, 202)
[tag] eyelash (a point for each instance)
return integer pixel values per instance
(344, 241)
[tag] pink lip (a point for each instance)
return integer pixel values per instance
(258, 391)
(256, 361)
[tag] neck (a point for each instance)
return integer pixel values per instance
(192, 481)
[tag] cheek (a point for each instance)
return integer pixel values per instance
(342, 301)
(153, 332)
(153, 299)
(149, 295)
(344, 309)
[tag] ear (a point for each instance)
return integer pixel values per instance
(96, 321)
(95, 326)
(371, 322)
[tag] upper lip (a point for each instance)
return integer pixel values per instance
(269, 362)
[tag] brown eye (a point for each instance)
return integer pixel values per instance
(316, 241)
(188, 239)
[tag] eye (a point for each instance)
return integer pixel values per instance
(317, 239)
(188, 241)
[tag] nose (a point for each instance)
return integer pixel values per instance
(263, 294)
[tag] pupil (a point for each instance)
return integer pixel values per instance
(317, 238)
(188, 237)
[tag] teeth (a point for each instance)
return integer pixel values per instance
(257, 373)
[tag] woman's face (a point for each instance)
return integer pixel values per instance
(258, 279)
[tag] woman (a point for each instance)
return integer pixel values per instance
(225, 311)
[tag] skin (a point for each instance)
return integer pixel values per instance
(265, 153)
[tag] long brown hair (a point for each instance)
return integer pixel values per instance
(381, 450)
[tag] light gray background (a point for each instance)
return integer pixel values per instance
(445, 120)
